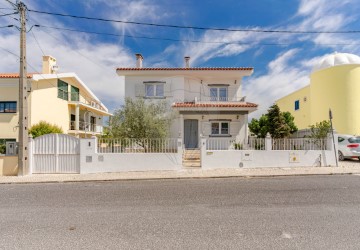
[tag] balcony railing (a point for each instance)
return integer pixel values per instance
(87, 127)
(218, 99)
(76, 97)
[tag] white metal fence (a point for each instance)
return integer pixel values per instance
(299, 144)
(55, 153)
(259, 144)
(232, 144)
(137, 145)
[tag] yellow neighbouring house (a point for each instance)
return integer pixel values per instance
(334, 84)
(58, 98)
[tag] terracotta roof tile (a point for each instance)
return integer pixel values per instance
(187, 69)
(215, 105)
(13, 75)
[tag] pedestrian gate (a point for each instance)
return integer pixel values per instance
(55, 153)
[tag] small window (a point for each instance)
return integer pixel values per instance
(154, 89)
(297, 105)
(74, 94)
(218, 94)
(219, 128)
(63, 92)
(8, 107)
(340, 139)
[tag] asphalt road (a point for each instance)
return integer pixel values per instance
(313, 212)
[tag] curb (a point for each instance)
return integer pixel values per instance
(175, 178)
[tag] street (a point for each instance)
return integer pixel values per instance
(312, 212)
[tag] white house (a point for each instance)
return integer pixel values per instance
(208, 101)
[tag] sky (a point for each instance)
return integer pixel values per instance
(282, 61)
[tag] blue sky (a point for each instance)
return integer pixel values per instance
(279, 68)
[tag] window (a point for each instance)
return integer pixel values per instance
(7, 107)
(220, 128)
(297, 105)
(154, 89)
(218, 94)
(74, 94)
(63, 90)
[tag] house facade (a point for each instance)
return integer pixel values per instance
(58, 98)
(334, 84)
(208, 102)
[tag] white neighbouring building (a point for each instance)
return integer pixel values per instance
(208, 101)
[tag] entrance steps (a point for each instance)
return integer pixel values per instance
(191, 158)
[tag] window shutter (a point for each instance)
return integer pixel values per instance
(167, 89)
(206, 128)
(139, 90)
(235, 128)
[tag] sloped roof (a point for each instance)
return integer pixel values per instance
(14, 75)
(215, 105)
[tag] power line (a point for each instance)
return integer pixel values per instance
(8, 26)
(8, 14)
(176, 40)
(38, 44)
(195, 27)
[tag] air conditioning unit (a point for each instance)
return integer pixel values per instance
(11, 148)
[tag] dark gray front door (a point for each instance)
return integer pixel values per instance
(191, 133)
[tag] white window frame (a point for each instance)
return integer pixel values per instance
(217, 98)
(220, 123)
(156, 85)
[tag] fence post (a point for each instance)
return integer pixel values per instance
(179, 146)
(202, 151)
(268, 142)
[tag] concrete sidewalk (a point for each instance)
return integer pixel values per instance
(185, 173)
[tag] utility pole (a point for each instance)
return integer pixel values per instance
(23, 94)
(332, 133)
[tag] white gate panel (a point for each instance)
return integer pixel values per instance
(56, 153)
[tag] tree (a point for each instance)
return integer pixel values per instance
(320, 130)
(278, 128)
(43, 128)
(138, 119)
(278, 124)
(259, 127)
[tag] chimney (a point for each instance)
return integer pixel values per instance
(139, 60)
(187, 61)
(49, 65)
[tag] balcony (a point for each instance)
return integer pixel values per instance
(86, 127)
(87, 102)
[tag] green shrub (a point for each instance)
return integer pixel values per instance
(43, 128)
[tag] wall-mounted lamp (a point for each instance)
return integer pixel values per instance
(202, 117)
(237, 117)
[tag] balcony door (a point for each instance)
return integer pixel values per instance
(191, 135)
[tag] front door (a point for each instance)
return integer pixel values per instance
(191, 133)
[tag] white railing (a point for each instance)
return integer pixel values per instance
(87, 127)
(206, 99)
(299, 144)
(232, 144)
(259, 144)
(137, 145)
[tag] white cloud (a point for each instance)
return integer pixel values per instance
(280, 80)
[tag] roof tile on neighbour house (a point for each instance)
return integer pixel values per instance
(188, 69)
(214, 105)
(13, 75)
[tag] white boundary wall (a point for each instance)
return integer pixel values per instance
(93, 162)
(215, 159)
